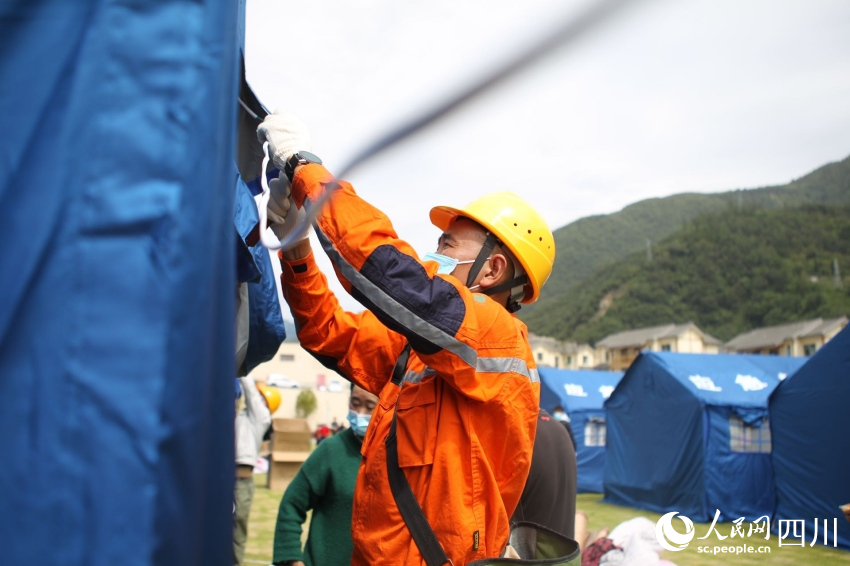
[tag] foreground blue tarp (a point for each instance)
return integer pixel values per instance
(254, 268)
(811, 445)
(117, 271)
(581, 393)
(669, 444)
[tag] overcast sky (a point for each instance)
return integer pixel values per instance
(670, 96)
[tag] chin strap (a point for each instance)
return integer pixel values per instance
(516, 285)
(488, 246)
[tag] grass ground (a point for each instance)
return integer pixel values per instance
(264, 514)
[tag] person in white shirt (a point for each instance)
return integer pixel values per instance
(252, 424)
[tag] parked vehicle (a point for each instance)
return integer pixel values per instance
(281, 381)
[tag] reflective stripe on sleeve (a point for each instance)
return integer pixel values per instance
(507, 365)
(417, 376)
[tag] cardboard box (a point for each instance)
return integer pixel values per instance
(291, 435)
(290, 446)
(283, 468)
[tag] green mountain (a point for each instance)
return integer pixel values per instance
(593, 242)
(728, 272)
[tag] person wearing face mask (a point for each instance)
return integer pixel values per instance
(450, 443)
(325, 484)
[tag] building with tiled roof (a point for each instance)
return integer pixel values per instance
(619, 350)
(551, 352)
(802, 338)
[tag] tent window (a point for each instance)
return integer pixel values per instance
(594, 432)
(749, 438)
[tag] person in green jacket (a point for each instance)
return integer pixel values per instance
(325, 484)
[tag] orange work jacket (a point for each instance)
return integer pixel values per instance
(467, 409)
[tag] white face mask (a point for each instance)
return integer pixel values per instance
(447, 264)
(359, 423)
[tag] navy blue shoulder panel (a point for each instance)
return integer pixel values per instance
(404, 280)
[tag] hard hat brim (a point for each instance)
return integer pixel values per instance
(443, 216)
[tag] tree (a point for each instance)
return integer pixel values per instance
(305, 404)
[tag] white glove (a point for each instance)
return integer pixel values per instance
(283, 215)
(286, 135)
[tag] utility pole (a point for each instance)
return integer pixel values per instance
(648, 250)
(837, 283)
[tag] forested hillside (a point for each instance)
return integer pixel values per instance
(591, 243)
(727, 271)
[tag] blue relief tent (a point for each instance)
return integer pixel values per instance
(582, 393)
(118, 172)
(690, 433)
(811, 446)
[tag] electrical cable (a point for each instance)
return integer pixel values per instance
(570, 31)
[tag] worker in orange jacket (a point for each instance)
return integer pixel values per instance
(466, 412)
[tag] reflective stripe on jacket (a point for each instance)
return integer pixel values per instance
(467, 410)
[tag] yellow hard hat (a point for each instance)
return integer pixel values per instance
(272, 396)
(517, 226)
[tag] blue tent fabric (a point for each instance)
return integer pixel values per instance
(741, 485)
(245, 221)
(811, 447)
(581, 393)
(116, 326)
(653, 462)
(669, 443)
(266, 327)
(726, 373)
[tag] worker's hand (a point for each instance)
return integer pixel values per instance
(286, 135)
(284, 216)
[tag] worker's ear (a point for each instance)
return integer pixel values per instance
(494, 270)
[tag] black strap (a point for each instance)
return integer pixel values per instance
(400, 365)
(409, 508)
(520, 281)
(517, 288)
(482, 256)
(515, 285)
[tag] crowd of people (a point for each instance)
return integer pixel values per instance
(447, 449)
